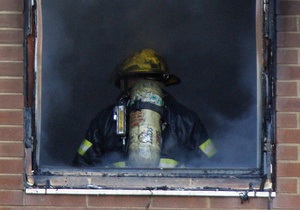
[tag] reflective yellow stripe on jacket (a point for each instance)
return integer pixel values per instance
(168, 163)
(164, 163)
(208, 148)
(85, 145)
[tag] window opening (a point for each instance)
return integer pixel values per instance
(77, 60)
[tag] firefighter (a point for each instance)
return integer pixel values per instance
(146, 127)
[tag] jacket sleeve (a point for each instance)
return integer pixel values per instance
(89, 152)
(197, 141)
(204, 144)
(187, 128)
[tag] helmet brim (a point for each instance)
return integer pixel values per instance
(166, 78)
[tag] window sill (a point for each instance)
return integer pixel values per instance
(151, 192)
(164, 182)
(84, 182)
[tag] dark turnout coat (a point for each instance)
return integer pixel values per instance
(181, 138)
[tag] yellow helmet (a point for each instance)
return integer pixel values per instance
(146, 63)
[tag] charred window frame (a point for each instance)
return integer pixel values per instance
(212, 182)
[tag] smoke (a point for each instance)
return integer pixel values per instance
(210, 45)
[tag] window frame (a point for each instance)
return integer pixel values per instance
(258, 182)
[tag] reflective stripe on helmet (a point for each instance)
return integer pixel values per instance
(85, 145)
(208, 148)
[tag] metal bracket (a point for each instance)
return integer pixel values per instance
(28, 17)
(244, 196)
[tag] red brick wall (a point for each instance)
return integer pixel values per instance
(11, 103)
(12, 194)
(288, 105)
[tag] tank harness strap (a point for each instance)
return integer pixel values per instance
(138, 105)
(162, 110)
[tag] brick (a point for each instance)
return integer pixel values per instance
(288, 72)
(11, 101)
(11, 53)
(118, 201)
(285, 120)
(287, 89)
(288, 39)
(286, 185)
(11, 85)
(287, 56)
(11, 69)
(58, 208)
(55, 200)
(286, 202)
(11, 182)
(11, 166)
(11, 20)
(51, 208)
(288, 8)
(287, 169)
(235, 203)
(287, 152)
(11, 150)
(11, 37)
(286, 23)
(11, 197)
(11, 133)
(11, 117)
(288, 136)
(11, 5)
(180, 202)
(288, 104)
